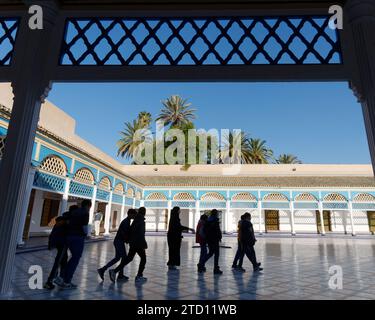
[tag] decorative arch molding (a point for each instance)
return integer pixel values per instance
(119, 188)
(130, 192)
(244, 196)
(54, 164)
(105, 183)
(138, 195)
(184, 196)
(305, 197)
(275, 196)
(364, 197)
(45, 152)
(334, 197)
(156, 196)
(283, 194)
(212, 196)
(84, 175)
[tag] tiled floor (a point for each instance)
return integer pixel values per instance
(294, 268)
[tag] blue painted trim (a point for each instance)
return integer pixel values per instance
(3, 130)
(79, 165)
(46, 152)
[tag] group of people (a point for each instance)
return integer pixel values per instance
(70, 231)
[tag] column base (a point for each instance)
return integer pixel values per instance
(353, 234)
(293, 234)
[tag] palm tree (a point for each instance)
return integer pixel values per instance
(229, 150)
(259, 153)
(144, 119)
(176, 112)
(288, 159)
(130, 139)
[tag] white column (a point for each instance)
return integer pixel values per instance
(191, 219)
(169, 209)
(92, 209)
(292, 217)
(133, 205)
(122, 215)
(107, 218)
(260, 216)
(226, 217)
(30, 83)
(323, 231)
(64, 202)
(197, 210)
(25, 205)
(350, 203)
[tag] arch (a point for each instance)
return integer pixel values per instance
(130, 193)
(364, 197)
(184, 196)
(84, 175)
(334, 197)
(308, 197)
(54, 164)
(2, 146)
(243, 196)
(212, 196)
(156, 196)
(275, 197)
(105, 183)
(138, 195)
(119, 188)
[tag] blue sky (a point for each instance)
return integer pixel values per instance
(318, 122)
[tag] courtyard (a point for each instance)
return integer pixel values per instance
(294, 268)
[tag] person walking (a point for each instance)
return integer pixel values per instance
(122, 237)
(57, 240)
(137, 245)
(247, 239)
(213, 237)
(174, 237)
(239, 254)
(75, 240)
(97, 221)
(201, 239)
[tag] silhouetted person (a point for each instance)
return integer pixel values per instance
(122, 237)
(174, 237)
(137, 244)
(247, 239)
(57, 240)
(75, 240)
(213, 238)
(239, 254)
(201, 239)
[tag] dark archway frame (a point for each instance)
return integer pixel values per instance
(37, 63)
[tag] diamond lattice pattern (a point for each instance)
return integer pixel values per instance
(200, 41)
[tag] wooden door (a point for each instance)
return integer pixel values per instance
(272, 220)
(371, 221)
(326, 219)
